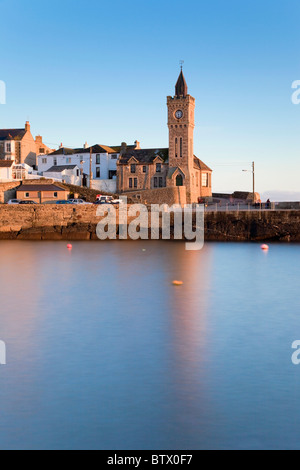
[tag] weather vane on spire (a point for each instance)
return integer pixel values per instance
(181, 63)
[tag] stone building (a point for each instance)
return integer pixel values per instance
(144, 170)
(19, 146)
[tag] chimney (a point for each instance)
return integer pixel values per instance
(137, 145)
(27, 126)
(86, 145)
(61, 146)
(39, 139)
(123, 148)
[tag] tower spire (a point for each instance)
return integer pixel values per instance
(181, 88)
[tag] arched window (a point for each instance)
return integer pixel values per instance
(179, 180)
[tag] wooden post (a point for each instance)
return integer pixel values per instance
(91, 175)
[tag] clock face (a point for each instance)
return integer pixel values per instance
(179, 114)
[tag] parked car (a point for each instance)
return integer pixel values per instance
(63, 202)
(14, 201)
(117, 201)
(104, 200)
(78, 201)
(27, 202)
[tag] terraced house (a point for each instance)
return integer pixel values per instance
(172, 174)
(19, 146)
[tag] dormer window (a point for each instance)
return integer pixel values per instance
(133, 168)
(158, 168)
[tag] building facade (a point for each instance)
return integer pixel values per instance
(147, 169)
(101, 159)
(41, 193)
(19, 146)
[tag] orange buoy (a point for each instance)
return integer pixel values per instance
(69, 246)
(177, 283)
(265, 247)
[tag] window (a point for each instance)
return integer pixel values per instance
(176, 145)
(42, 150)
(144, 169)
(179, 180)
(27, 195)
(55, 161)
(98, 159)
(130, 183)
(135, 183)
(205, 180)
(181, 147)
(98, 172)
(161, 182)
(44, 161)
(112, 174)
(158, 168)
(114, 157)
(55, 194)
(68, 160)
(133, 168)
(156, 182)
(8, 147)
(77, 173)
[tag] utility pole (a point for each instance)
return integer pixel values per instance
(253, 180)
(253, 172)
(91, 176)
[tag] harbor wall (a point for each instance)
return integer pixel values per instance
(67, 222)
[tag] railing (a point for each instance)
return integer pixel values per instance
(249, 207)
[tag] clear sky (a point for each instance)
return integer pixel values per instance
(100, 72)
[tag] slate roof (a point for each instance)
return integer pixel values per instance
(144, 155)
(12, 134)
(61, 168)
(95, 149)
(200, 165)
(40, 187)
(181, 88)
(6, 163)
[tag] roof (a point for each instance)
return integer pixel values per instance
(40, 187)
(118, 148)
(61, 168)
(181, 88)
(173, 170)
(95, 149)
(199, 164)
(12, 134)
(145, 155)
(6, 163)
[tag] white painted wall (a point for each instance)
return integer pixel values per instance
(107, 186)
(107, 163)
(6, 174)
(67, 176)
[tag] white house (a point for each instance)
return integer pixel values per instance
(66, 173)
(103, 163)
(6, 167)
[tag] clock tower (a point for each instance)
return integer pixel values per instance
(181, 123)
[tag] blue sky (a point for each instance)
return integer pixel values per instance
(100, 72)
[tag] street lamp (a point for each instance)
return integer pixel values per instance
(253, 177)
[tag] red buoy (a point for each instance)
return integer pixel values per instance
(69, 246)
(265, 247)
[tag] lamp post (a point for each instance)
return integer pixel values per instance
(253, 179)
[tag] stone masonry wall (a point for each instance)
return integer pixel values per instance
(51, 222)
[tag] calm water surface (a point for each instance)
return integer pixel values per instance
(104, 353)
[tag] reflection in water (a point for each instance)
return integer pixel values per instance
(104, 352)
